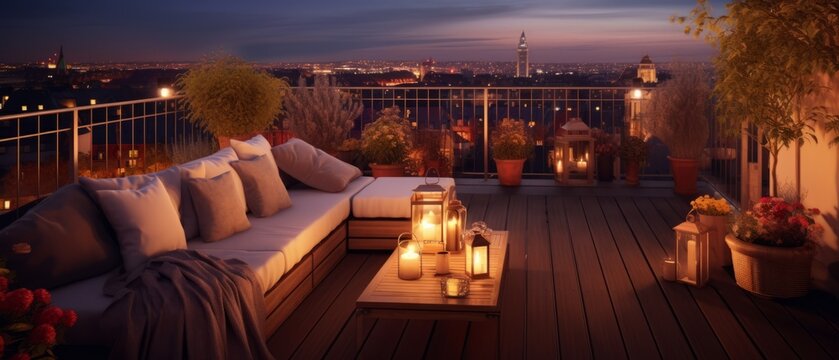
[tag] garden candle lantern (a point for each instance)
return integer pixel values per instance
(476, 246)
(692, 239)
(409, 252)
(574, 146)
(455, 225)
(428, 206)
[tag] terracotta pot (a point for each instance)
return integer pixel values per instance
(509, 171)
(605, 167)
(771, 271)
(387, 170)
(720, 254)
(685, 172)
(632, 170)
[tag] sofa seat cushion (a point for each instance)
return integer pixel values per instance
(269, 266)
(294, 231)
(390, 197)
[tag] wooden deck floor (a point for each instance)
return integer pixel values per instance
(582, 282)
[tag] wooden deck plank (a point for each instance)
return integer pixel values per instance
(572, 327)
(496, 214)
(631, 321)
(606, 338)
(820, 329)
(481, 341)
(542, 337)
(702, 339)
(447, 340)
(293, 331)
(731, 334)
(794, 334)
(665, 328)
(414, 340)
(476, 207)
(332, 322)
(513, 293)
(383, 339)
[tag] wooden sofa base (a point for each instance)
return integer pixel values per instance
(375, 234)
(297, 283)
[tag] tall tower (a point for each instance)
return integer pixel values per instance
(522, 61)
(646, 70)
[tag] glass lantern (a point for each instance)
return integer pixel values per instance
(455, 225)
(692, 239)
(574, 154)
(409, 251)
(428, 206)
(476, 245)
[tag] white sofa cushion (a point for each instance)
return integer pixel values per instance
(219, 163)
(390, 197)
(296, 230)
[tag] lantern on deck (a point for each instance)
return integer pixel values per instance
(428, 206)
(476, 245)
(574, 154)
(409, 252)
(692, 239)
(455, 225)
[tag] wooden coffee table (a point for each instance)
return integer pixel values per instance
(388, 297)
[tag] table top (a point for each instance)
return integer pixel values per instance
(387, 291)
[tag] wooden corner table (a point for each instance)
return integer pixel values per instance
(388, 297)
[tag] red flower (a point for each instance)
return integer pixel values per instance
(42, 296)
(815, 211)
(69, 319)
(50, 315)
(4, 284)
(42, 334)
(17, 301)
(2, 345)
(20, 356)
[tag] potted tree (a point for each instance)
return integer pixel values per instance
(605, 148)
(772, 247)
(678, 117)
(386, 142)
(322, 116)
(634, 151)
(231, 99)
(511, 146)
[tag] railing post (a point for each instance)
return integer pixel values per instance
(75, 147)
(486, 134)
(745, 177)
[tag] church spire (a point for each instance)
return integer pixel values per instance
(61, 66)
(522, 59)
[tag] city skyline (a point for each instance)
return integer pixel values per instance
(573, 31)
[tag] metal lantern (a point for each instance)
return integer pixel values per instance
(455, 225)
(574, 154)
(476, 245)
(409, 252)
(428, 206)
(692, 239)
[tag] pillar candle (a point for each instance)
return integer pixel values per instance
(409, 266)
(691, 263)
(668, 270)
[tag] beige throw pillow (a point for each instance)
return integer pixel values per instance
(219, 163)
(314, 167)
(255, 147)
(145, 221)
(265, 193)
(220, 212)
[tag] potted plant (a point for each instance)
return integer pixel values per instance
(386, 142)
(772, 247)
(231, 99)
(322, 116)
(605, 148)
(511, 146)
(350, 152)
(634, 151)
(429, 151)
(714, 214)
(678, 117)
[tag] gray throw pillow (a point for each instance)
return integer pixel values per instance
(145, 220)
(220, 211)
(314, 167)
(265, 193)
(69, 237)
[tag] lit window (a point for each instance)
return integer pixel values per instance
(40, 107)
(24, 108)
(92, 101)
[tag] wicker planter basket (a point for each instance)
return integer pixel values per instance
(771, 271)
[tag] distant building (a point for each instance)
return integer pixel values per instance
(522, 60)
(426, 67)
(646, 70)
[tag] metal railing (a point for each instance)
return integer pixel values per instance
(41, 151)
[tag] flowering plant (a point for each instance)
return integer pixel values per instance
(510, 141)
(775, 222)
(634, 149)
(707, 205)
(387, 140)
(29, 325)
(604, 143)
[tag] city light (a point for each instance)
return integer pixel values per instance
(165, 92)
(596, 108)
(92, 101)
(40, 107)
(24, 108)
(637, 94)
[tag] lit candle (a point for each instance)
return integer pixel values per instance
(452, 234)
(409, 265)
(691, 263)
(559, 167)
(479, 263)
(669, 270)
(582, 165)
(431, 226)
(7, 205)
(452, 287)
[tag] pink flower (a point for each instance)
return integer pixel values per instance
(43, 334)
(69, 319)
(42, 296)
(50, 315)
(17, 301)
